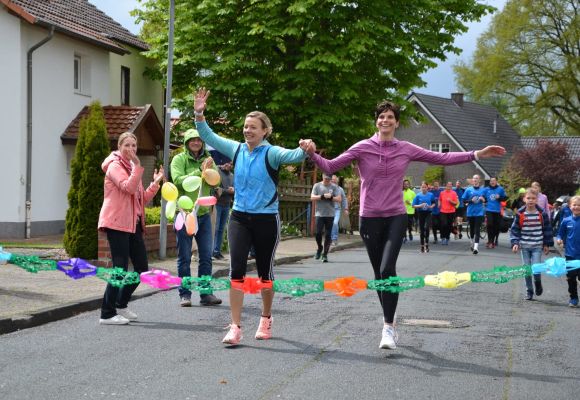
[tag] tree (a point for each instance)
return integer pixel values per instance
(85, 195)
(527, 64)
(316, 67)
(548, 163)
(434, 173)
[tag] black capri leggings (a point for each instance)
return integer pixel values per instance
(383, 238)
(424, 224)
(260, 230)
(493, 226)
(475, 227)
(124, 246)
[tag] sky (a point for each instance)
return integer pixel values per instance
(440, 80)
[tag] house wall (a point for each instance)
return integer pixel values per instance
(54, 104)
(423, 134)
(142, 89)
(12, 132)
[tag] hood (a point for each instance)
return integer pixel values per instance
(191, 134)
(115, 156)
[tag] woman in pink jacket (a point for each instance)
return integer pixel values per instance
(122, 217)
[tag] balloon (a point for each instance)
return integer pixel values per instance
(185, 203)
(170, 209)
(179, 221)
(211, 176)
(169, 191)
(206, 201)
(191, 183)
(191, 224)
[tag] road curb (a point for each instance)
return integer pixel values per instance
(67, 310)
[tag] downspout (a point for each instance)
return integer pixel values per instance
(28, 203)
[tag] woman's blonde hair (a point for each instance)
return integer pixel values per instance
(124, 136)
(266, 123)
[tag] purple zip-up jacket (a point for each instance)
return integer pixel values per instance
(382, 166)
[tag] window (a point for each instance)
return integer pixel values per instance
(77, 74)
(440, 147)
(125, 85)
(82, 74)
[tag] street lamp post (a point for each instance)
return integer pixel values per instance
(163, 222)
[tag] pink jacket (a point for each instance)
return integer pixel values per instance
(123, 191)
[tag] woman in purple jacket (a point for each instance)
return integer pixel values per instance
(382, 162)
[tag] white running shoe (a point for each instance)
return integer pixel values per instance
(125, 312)
(390, 338)
(116, 320)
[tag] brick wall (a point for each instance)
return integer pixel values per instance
(151, 244)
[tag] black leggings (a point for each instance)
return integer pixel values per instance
(260, 230)
(446, 224)
(324, 223)
(475, 227)
(383, 238)
(493, 225)
(424, 223)
(124, 245)
(435, 224)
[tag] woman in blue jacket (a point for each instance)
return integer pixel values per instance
(254, 219)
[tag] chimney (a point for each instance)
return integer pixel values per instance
(457, 98)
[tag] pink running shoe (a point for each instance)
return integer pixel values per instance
(234, 335)
(265, 329)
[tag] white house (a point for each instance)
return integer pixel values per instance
(72, 54)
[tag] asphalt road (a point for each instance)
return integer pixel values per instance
(487, 343)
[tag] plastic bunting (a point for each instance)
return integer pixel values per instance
(205, 285)
(32, 263)
(4, 256)
(556, 266)
(346, 286)
(447, 279)
(251, 285)
(160, 279)
(298, 287)
(396, 284)
(117, 276)
(76, 268)
(501, 274)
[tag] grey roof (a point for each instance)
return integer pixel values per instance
(573, 143)
(472, 126)
(76, 18)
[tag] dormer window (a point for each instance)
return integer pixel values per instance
(440, 147)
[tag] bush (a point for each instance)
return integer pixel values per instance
(152, 215)
(85, 195)
(432, 174)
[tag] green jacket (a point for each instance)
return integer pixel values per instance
(185, 164)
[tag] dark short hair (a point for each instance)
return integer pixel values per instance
(386, 106)
(325, 175)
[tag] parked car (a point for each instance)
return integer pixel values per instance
(506, 220)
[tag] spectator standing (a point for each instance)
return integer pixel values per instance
(192, 162)
(225, 195)
(542, 198)
(122, 217)
(339, 208)
(325, 195)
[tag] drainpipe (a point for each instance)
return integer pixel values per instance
(29, 129)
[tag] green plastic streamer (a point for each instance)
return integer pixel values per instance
(32, 263)
(396, 284)
(298, 286)
(118, 277)
(205, 285)
(501, 274)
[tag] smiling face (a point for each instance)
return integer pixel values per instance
(475, 180)
(449, 186)
(195, 145)
(254, 131)
(575, 205)
(386, 123)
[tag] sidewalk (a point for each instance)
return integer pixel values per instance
(28, 299)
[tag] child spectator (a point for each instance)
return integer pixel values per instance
(531, 232)
(569, 236)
